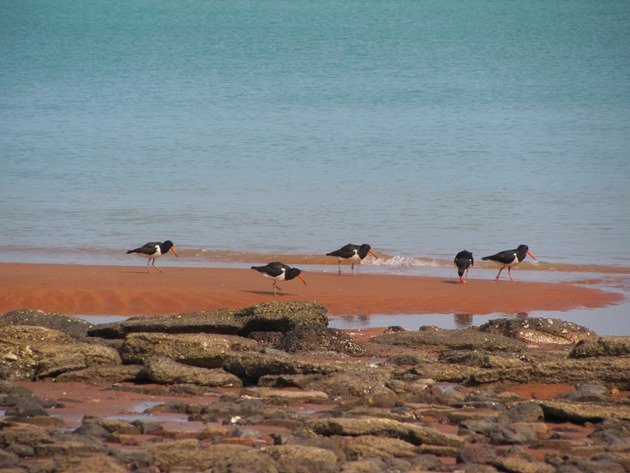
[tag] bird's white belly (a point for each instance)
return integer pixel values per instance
(157, 254)
(279, 277)
(514, 262)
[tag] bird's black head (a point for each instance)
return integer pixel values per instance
(168, 246)
(521, 252)
(293, 273)
(464, 254)
(364, 249)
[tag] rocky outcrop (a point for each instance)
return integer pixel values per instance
(609, 371)
(104, 374)
(162, 370)
(203, 350)
(250, 366)
(538, 330)
(433, 338)
(31, 352)
(275, 390)
(73, 326)
(412, 433)
(601, 346)
(318, 340)
(581, 412)
(267, 317)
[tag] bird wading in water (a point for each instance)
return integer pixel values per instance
(354, 253)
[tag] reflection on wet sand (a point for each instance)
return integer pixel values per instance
(415, 321)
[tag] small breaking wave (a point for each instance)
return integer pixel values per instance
(399, 261)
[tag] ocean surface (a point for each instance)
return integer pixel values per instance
(245, 130)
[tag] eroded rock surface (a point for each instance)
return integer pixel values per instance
(271, 389)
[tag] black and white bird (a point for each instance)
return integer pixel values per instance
(509, 258)
(354, 253)
(153, 250)
(463, 260)
(279, 272)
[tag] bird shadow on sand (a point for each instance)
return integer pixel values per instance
(266, 293)
(450, 281)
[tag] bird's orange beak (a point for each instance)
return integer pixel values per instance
(373, 254)
(532, 255)
(173, 250)
(302, 279)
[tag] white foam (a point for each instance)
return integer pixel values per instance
(402, 262)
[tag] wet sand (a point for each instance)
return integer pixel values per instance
(130, 290)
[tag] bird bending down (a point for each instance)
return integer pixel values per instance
(279, 272)
(353, 253)
(463, 261)
(153, 250)
(509, 258)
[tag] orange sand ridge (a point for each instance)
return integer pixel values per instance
(125, 290)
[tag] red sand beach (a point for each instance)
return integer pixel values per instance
(130, 290)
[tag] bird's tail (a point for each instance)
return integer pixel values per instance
(132, 251)
(485, 258)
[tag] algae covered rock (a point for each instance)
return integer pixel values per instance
(432, 338)
(266, 317)
(540, 330)
(73, 326)
(26, 358)
(164, 370)
(204, 350)
(602, 346)
(412, 433)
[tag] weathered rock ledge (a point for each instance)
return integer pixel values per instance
(271, 388)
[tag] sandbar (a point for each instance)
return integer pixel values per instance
(130, 290)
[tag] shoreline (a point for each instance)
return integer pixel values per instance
(129, 290)
(204, 258)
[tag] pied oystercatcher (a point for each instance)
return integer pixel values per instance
(279, 272)
(509, 258)
(353, 253)
(463, 260)
(153, 250)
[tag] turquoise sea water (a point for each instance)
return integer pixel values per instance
(294, 127)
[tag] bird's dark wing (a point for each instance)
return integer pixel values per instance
(272, 269)
(464, 259)
(347, 251)
(146, 249)
(504, 257)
